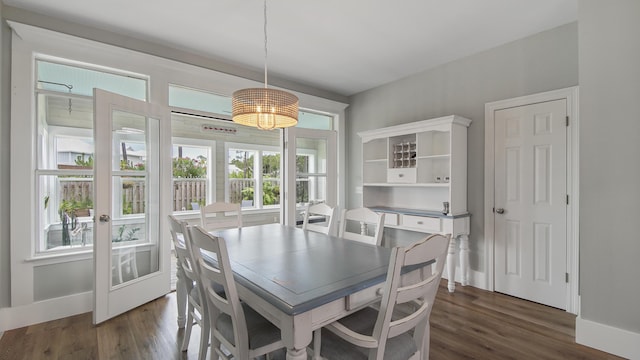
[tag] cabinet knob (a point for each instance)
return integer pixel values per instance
(500, 211)
(400, 175)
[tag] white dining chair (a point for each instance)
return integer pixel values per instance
(362, 224)
(196, 307)
(235, 326)
(323, 210)
(372, 333)
(220, 215)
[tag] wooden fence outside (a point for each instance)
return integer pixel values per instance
(76, 190)
(186, 192)
(235, 189)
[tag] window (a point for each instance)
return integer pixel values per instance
(312, 120)
(192, 180)
(64, 170)
(254, 175)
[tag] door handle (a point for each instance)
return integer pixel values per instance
(500, 211)
(104, 218)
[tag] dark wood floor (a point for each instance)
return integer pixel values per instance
(468, 324)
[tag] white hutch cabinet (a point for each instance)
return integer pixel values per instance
(416, 174)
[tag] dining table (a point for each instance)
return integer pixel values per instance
(302, 280)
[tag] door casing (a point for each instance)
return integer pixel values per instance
(571, 96)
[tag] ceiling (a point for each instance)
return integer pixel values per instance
(340, 46)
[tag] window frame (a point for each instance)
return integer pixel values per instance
(210, 145)
(257, 171)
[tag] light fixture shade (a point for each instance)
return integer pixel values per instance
(264, 108)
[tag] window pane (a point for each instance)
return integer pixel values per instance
(199, 100)
(130, 131)
(189, 177)
(270, 178)
(66, 211)
(311, 120)
(241, 176)
(65, 139)
(81, 81)
(132, 190)
(311, 189)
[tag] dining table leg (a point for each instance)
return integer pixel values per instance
(296, 335)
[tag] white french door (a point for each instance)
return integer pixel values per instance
(131, 262)
(531, 202)
(311, 170)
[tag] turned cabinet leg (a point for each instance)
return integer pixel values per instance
(464, 259)
(451, 265)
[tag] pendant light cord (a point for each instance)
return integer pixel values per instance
(265, 44)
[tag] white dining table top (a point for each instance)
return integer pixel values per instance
(297, 270)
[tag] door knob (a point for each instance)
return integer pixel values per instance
(500, 211)
(104, 218)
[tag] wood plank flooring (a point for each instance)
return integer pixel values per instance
(468, 324)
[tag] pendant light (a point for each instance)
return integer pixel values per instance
(264, 108)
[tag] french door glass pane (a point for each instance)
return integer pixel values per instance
(311, 168)
(134, 252)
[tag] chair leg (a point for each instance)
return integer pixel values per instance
(204, 337)
(212, 314)
(187, 330)
(215, 346)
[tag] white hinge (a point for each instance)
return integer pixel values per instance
(566, 277)
(567, 120)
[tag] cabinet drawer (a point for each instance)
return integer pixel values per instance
(407, 175)
(422, 223)
(390, 219)
(363, 297)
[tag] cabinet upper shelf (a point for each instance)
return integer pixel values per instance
(420, 165)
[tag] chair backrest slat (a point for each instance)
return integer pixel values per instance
(221, 215)
(365, 218)
(322, 209)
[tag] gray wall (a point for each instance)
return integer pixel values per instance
(610, 162)
(538, 63)
(5, 89)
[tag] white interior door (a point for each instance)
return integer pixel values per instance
(531, 202)
(131, 260)
(311, 170)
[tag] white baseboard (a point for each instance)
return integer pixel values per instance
(47, 310)
(476, 278)
(607, 338)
